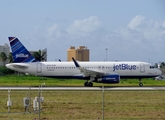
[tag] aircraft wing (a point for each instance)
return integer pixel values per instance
(89, 72)
(93, 73)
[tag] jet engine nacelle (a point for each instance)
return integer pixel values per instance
(111, 79)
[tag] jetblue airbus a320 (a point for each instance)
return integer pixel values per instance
(102, 72)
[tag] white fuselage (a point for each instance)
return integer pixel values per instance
(69, 70)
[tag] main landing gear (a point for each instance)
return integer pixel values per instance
(88, 84)
(140, 82)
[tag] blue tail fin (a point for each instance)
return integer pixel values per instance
(19, 52)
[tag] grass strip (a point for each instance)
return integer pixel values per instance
(87, 105)
(13, 80)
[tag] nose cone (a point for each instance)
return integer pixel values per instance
(159, 72)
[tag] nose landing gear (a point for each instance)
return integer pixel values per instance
(140, 82)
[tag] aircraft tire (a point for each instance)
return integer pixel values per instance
(86, 84)
(141, 84)
(90, 84)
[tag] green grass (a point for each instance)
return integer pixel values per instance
(14, 80)
(87, 105)
(83, 105)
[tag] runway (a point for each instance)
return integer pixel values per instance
(83, 88)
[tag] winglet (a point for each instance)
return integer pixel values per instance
(75, 62)
(19, 52)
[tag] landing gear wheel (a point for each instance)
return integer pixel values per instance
(86, 84)
(90, 84)
(141, 84)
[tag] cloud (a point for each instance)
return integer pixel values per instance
(55, 31)
(140, 39)
(143, 36)
(136, 22)
(84, 27)
(163, 24)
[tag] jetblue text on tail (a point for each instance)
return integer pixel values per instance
(19, 52)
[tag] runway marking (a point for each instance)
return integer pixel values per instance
(83, 88)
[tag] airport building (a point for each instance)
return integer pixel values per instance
(6, 49)
(80, 54)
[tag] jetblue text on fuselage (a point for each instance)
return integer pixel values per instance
(22, 55)
(124, 67)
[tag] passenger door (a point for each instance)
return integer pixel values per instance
(39, 68)
(142, 68)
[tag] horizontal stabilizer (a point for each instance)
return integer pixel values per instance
(20, 66)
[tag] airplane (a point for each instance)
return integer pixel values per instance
(101, 72)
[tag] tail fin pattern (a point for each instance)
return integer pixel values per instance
(19, 52)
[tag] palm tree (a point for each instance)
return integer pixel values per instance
(3, 57)
(39, 55)
(162, 64)
(10, 58)
(156, 65)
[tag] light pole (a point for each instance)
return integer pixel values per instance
(41, 96)
(41, 88)
(39, 99)
(102, 102)
(9, 102)
(106, 53)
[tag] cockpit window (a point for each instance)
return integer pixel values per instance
(152, 67)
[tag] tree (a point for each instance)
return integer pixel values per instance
(10, 58)
(3, 57)
(156, 65)
(162, 64)
(39, 55)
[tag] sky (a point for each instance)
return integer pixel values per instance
(130, 30)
